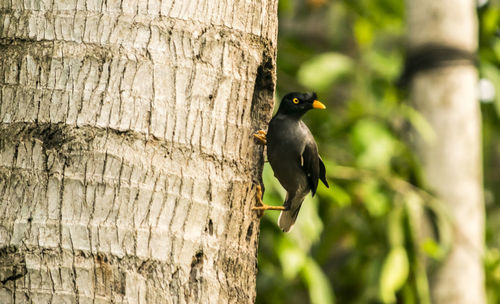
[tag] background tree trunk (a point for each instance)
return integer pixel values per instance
(127, 165)
(447, 97)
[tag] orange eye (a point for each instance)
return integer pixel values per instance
(295, 100)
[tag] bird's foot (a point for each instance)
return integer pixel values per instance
(261, 137)
(268, 207)
(260, 206)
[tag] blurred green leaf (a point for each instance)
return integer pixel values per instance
(292, 258)
(394, 274)
(322, 71)
(373, 143)
(490, 21)
(385, 65)
(432, 249)
(335, 194)
(409, 296)
(395, 229)
(320, 291)
(496, 48)
(363, 31)
(377, 204)
(492, 270)
(420, 124)
(492, 73)
(492, 257)
(285, 6)
(374, 200)
(309, 226)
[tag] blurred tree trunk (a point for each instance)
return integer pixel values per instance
(447, 97)
(127, 165)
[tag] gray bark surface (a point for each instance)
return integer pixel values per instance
(127, 165)
(447, 98)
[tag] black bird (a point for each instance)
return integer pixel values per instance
(293, 155)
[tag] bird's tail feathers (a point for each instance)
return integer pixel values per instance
(288, 217)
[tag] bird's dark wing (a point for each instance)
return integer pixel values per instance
(311, 165)
(322, 172)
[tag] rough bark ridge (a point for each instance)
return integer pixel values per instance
(127, 165)
(447, 97)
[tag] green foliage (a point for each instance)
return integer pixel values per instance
(373, 144)
(492, 73)
(317, 282)
(394, 274)
(361, 241)
(489, 51)
(323, 70)
(492, 266)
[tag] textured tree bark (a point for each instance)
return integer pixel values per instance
(127, 165)
(447, 97)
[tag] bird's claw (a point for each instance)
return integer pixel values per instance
(268, 207)
(261, 137)
(260, 206)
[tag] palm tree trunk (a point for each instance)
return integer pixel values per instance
(447, 97)
(127, 165)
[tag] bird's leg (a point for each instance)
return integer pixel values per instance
(260, 136)
(268, 207)
(260, 206)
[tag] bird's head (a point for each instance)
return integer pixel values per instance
(297, 104)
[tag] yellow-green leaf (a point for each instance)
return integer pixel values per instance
(395, 228)
(292, 258)
(394, 274)
(320, 72)
(320, 290)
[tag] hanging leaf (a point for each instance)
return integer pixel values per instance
(320, 291)
(375, 201)
(420, 124)
(394, 274)
(309, 226)
(395, 227)
(291, 257)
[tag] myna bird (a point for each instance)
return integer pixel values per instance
(293, 155)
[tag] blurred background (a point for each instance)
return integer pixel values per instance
(357, 242)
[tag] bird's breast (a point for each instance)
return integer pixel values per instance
(285, 144)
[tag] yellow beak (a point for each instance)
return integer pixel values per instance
(318, 105)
